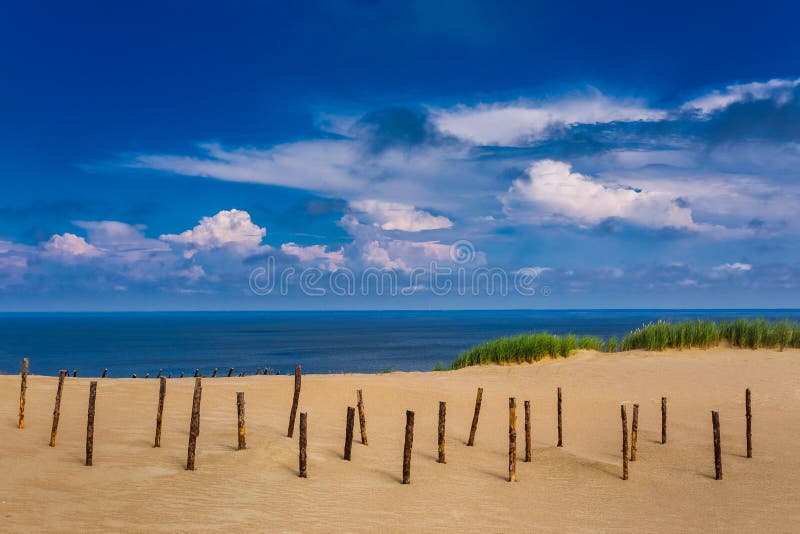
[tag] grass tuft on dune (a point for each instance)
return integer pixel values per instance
(745, 333)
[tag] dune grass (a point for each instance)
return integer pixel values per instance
(525, 348)
(745, 333)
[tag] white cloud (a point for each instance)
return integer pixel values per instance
(518, 124)
(405, 255)
(776, 89)
(397, 216)
(553, 193)
(731, 268)
(228, 227)
(318, 255)
(70, 246)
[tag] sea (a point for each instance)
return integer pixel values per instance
(321, 341)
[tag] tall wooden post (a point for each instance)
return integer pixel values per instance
(717, 447)
(527, 431)
(90, 423)
(560, 435)
(624, 442)
(197, 373)
(240, 419)
(512, 439)
(57, 409)
(634, 431)
(230, 371)
(194, 425)
(295, 399)
(348, 433)
(442, 416)
(105, 373)
(303, 443)
(407, 447)
(23, 387)
(162, 392)
(214, 373)
(477, 413)
(362, 418)
(663, 420)
(749, 417)
(74, 373)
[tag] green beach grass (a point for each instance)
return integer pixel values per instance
(745, 333)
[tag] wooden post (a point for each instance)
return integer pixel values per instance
(147, 375)
(624, 442)
(90, 423)
(162, 392)
(240, 420)
(348, 433)
(57, 410)
(230, 372)
(303, 443)
(23, 387)
(442, 416)
(295, 399)
(362, 418)
(512, 439)
(197, 373)
(214, 373)
(663, 420)
(477, 413)
(634, 431)
(407, 447)
(105, 373)
(194, 425)
(527, 431)
(717, 448)
(181, 374)
(749, 416)
(560, 435)
(74, 373)
(133, 375)
(160, 372)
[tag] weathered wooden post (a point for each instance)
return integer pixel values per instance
(90, 423)
(57, 409)
(362, 418)
(23, 388)
(348, 433)
(230, 372)
(197, 373)
(512, 439)
(749, 416)
(105, 373)
(634, 431)
(475, 416)
(240, 419)
(624, 442)
(717, 447)
(160, 372)
(442, 416)
(663, 420)
(162, 392)
(407, 447)
(74, 373)
(303, 443)
(560, 435)
(295, 399)
(194, 425)
(527, 431)
(214, 373)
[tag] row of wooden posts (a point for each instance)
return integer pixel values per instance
(628, 453)
(266, 371)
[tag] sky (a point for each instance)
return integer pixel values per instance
(389, 155)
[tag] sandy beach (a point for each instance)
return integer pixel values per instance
(135, 487)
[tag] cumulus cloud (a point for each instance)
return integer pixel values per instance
(317, 255)
(717, 100)
(731, 268)
(517, 124)
(551, 192)
(70, 246)
(228, 227)
(397, 216)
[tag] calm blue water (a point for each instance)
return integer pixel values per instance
(323, 342)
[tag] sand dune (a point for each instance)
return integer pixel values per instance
(133, 486)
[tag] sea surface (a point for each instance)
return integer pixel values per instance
(323, 342)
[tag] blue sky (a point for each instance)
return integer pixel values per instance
(157, 155)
